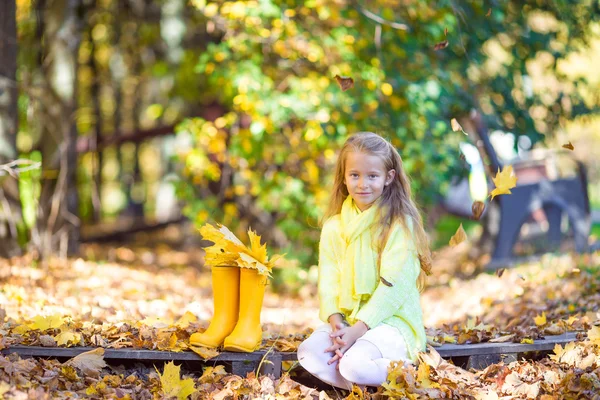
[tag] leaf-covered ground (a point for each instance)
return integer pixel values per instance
(155, 298)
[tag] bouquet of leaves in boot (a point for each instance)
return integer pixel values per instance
(239, 277)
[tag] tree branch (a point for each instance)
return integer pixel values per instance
(380, 20)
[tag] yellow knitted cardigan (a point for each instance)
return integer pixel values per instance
(397, 305)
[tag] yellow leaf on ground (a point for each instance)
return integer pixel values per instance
(527, 341)
(540, 319)
(65, 337)
(204, 352)
(90, 363)
(172, 384)
(504, 181)
(46, 322)
(185, 320)
(459, 237)
(594, 335)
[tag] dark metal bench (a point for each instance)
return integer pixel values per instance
(476, 356)
(506, 214)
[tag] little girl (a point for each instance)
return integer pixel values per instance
(371, 252)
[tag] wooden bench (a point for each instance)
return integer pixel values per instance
(477, 356)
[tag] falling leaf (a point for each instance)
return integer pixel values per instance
(504, 181)
(459, 237)
(477, 209)
(456, 126)
(345, 82)
(489, 12)
(204, 352)
(441, 45)
(446, 31)
(540, 319)
(385, 282)
(568, 146)
(172, 385)
(500, 271)
(90, 363)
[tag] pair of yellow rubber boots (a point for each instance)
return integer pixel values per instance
(238, 296)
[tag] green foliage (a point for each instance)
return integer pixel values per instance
(267, 161)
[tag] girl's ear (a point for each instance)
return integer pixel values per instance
(390, 176)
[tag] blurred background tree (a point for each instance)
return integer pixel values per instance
(249, 89)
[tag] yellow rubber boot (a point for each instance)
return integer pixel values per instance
(247, 335)
(226, 300)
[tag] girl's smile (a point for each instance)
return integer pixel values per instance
(365, 177)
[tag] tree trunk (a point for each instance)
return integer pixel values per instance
(58, 214)
(10, 206)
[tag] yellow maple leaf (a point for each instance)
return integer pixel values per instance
(504, 181)
(257, 250)
(540, 319)
(459, 237)
(423, 377)
(226, 248)
(571, 320)
(46, 322)
(65, 337)
(172, 385)
(594, 335)
(204, 352)
(185, 320)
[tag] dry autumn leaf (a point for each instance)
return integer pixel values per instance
(172, 385)
(504, 181)
(46, 322)
(441, 45)
(477, 209)
(446, 31)
(345, 82)
(489, 12)
(500, 271)
(568, 146)
(456, 126)
(459, 237)
(540, 320)
(204, 352)
(90, 363)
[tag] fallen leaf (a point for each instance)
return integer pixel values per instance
(65, 337)
(594, 335)
(172, 385)
(500, 271)
(441, 45)
(504, 181)
(345, 82)
(46, 322)
(90, 363)
(568, 146)
(185, 320)
(47, 341)
(477, 209)
(540, 319)
(459, 237)
(204, 352)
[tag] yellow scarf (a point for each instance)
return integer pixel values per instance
(359, 263)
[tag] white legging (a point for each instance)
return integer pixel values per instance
(361, 364)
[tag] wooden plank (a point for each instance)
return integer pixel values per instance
(547, 344)
(140, 354)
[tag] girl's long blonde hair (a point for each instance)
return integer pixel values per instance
(396, 199)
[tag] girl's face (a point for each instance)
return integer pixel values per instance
(365, 178)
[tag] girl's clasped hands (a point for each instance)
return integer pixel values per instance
(343, 336)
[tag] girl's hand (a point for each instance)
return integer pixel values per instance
(337, 322)
(349, 336)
